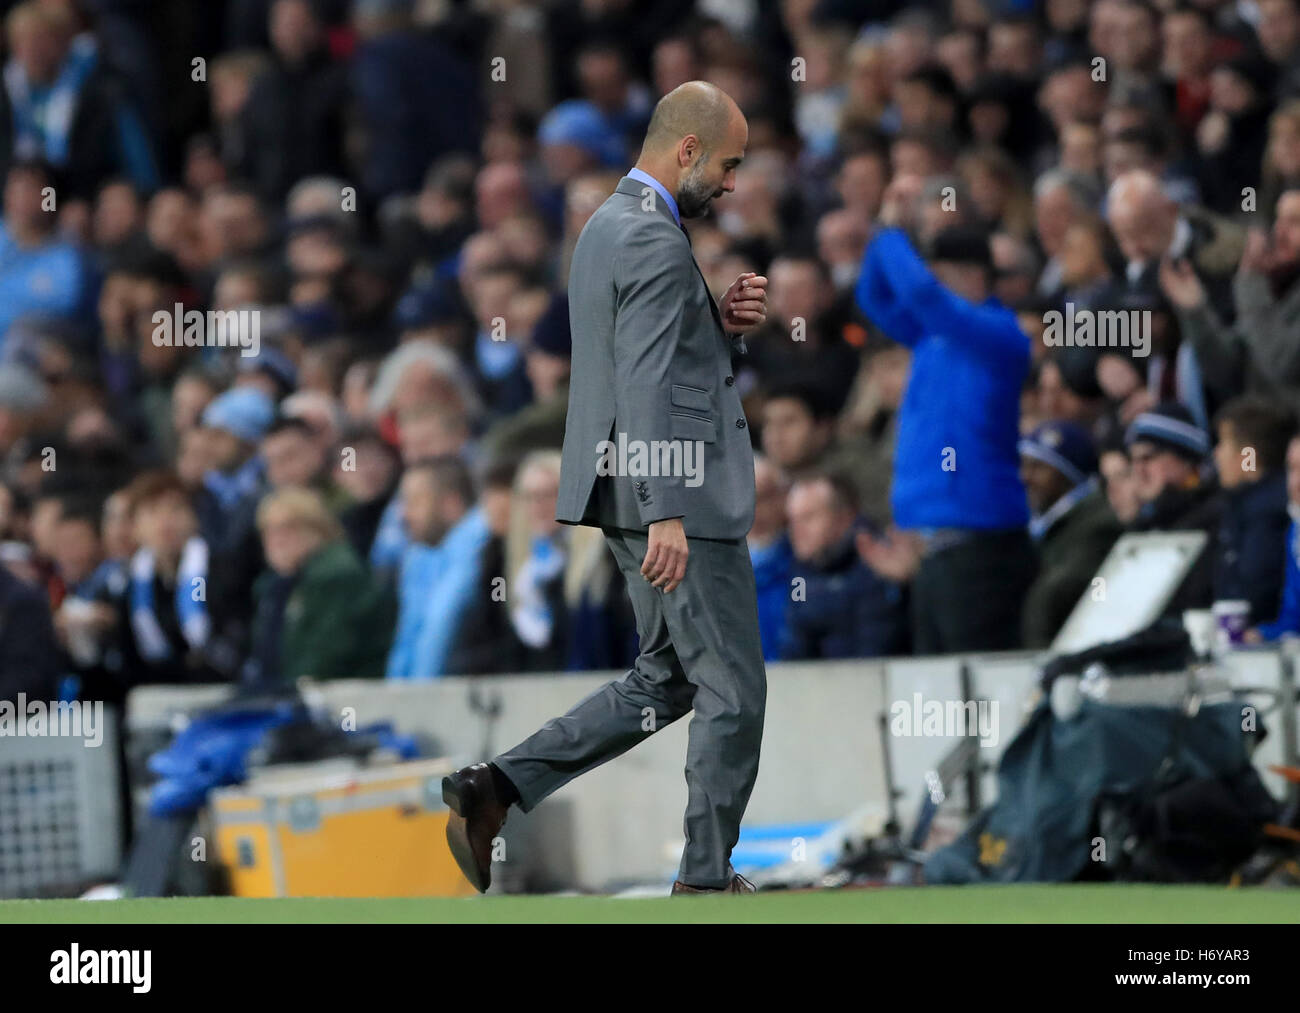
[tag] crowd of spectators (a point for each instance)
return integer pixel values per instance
(395, 187)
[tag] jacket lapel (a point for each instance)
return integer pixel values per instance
(631, 188)
(713, 306)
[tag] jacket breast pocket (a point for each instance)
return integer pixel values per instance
(694, 398)
(692, 427)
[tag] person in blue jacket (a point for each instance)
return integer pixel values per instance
(957, 498)
(1250, 458)
(440, 567)
(1288, 618)
(837, 606)
(771, 554)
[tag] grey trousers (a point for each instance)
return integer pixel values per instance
(699, 650)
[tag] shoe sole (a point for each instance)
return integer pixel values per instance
(458, 838)
(682, 890)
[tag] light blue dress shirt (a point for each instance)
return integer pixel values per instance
(648, 180)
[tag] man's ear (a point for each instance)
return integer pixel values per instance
(687, 150)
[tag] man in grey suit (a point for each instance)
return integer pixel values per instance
(657, 454)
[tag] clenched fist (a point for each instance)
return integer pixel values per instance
(744, 305)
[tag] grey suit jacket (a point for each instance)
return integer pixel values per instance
(654, 427)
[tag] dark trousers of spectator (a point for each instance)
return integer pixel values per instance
(967, 596)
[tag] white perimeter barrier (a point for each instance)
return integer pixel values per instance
(823, 747)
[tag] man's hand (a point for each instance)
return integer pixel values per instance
(1121, 382)
(665, 556)
(1180, 284)
(1117, 376)
(1135, 404)
(744, 305)
(1213, 131)
(79, 618)
(1256, 257)
(895, 557)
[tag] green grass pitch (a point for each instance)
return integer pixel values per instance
(976, 904)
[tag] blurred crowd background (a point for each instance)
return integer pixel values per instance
(396, 187)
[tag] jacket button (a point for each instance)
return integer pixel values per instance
(730, 381)
(740, 423)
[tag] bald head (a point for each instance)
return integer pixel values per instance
(1137, 187)
(1141, 215)
(696, 138)
(695, 107)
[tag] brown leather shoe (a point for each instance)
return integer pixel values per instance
(738, 884)
(477, 815)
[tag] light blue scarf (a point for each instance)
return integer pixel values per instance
(1042, 523)
(231, 489)
(43, 115)
(191, 608)
(532, 616)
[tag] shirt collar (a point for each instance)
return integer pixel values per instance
(646, 178)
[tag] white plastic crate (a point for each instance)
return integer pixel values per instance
(60, 813)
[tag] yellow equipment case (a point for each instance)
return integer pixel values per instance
(322, 831)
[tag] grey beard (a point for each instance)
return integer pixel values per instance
(694, 194)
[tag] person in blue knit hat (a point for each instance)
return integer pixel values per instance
(244, 412)
(1072, 525)
(1176, 490)
(234, 423)
(579, 125)
(1168, 451)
